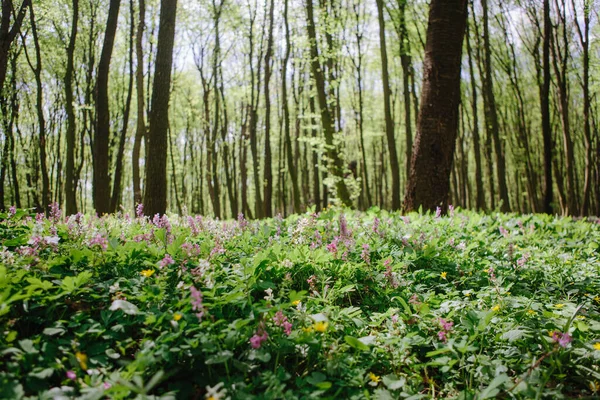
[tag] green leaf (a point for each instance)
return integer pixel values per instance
(355, 343)
(493, 389)
(125, 306)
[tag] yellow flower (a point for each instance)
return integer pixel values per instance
(295, 302)
(597, 299)
(308, 329)
(551, 333)
(597, 346)
(443, 275)
(496, 308)
(374, 378)
(82, 358)
(177, 316)
(468, 294)
(486, 270)
(531, 312)
(559, 305)
(147, 273)
(320, 326)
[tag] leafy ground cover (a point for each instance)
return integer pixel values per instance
(336, 305)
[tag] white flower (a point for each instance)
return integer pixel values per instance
(287, 263)
(302, 349)
(217, 392)
(53, 240)
(269, 296)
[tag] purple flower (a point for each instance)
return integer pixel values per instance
(139, 210)
(365, 254)
(71, 375)
(55, 212)
(446, 325)
(563, 339)
(259, 337)
(166, 261)
(332, 247)
(100, 241)
(287, 328)
(438, 212)
(442, 336)
(197, 302)
(12, 210)
(503, 231)
(451, 210)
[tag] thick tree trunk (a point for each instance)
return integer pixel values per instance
(433, 152)
(116, 193)
(155, 196)
(102, 134)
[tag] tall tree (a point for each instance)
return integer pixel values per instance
(140, 130)
(70, 184)
(155, 196)
(102, 131)
(292, 170)
(335, 162)
(9, 32)
(268, 170)
(389, 122)
(433, 151)
(491, 113)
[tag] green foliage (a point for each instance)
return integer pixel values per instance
(332, 305)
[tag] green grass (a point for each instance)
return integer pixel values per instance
(468, 306)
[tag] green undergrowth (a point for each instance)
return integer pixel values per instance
(339, 304)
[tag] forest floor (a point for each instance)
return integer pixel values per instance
(336, 305)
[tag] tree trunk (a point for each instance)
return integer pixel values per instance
(389, 123)
(433, 152)
(140, 130)
(335, 164)
(155, 196)
(116, 194)
(102, 134)
(491, 113)
(268, 170)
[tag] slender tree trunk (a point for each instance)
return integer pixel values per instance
(140, 130)
(37, 70)
(155, 196)
(292, 169)
(268, 170)
(433, 152)
(336, 166)
(491, 113)
(389, 123)
(102, 133)
(8, 34)
(480, 195)
(70, 184)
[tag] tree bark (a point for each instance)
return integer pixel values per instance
(140, 130)
(389, 122)
(268, 170)
(155, 196)
(101, 184)
(335, 163)
(433, 152)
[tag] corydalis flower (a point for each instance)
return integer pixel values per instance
(259, 337)
(365, 255)
(166, 261)
(197, 302)
(446, 328)
(563, 339)
(139, 210)
(12, 210)
(99, 240)
(281, 320)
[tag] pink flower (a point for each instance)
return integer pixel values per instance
(446, 325)
(365, 255)
(71, 375)
(12, 210)
(563, 339)
(99, 240)
(106, 385)
(503, 231)
(197, 302)
(438, 212)
(139, 210)
(166, 261)
(259, 337)
(442, 336)
(332, 247)
(287, 328)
